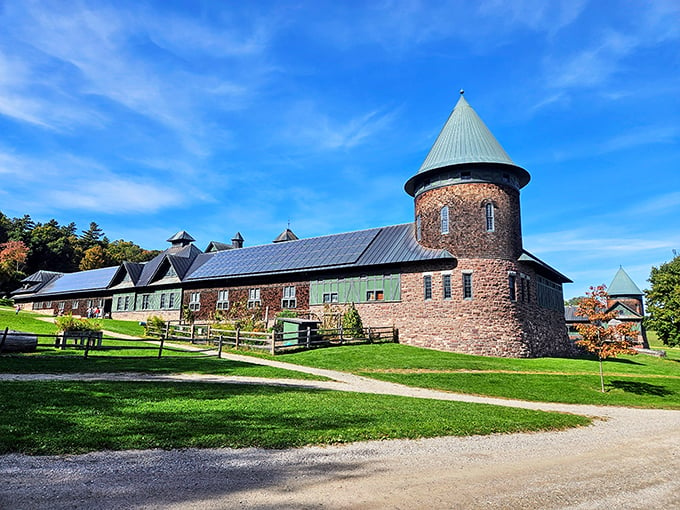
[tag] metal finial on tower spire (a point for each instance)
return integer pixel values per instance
(461, 92)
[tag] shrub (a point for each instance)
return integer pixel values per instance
(154, 323)
(351, 323)
(70, 323)
(6, 302)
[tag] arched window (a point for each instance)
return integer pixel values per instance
(490, 218)
(444, 223)
(419, 228)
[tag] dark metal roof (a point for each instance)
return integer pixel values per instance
(286, 235)
(217, 246)
(95, 279)
(570, 314)
(181, 259)
(387, 245)
(182, 235)
(33, 283)
(542, 266)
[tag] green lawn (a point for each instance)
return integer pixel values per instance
(640, 381)
(50, 418)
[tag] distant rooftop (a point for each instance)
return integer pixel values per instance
(623, 285)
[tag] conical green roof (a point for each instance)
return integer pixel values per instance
(465, 139)
(623, 285)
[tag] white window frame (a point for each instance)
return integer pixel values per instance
(194, 301)
(490, 214)
(222, 300)
(254, 298)
(444, 219)
(288, 300)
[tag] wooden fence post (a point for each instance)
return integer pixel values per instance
(193, 332)
(167, 329)
(238, 336)
(309, 336)
(4, 337)
(160, 347)
(273, 349)
(219, 350)
(87, 346)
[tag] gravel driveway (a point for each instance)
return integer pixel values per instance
(629, 458)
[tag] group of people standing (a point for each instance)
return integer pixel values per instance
(93, 313)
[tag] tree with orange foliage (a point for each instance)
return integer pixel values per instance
(603, 335)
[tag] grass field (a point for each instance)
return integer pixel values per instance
(73, 417)
(638, 381)
(50, 417)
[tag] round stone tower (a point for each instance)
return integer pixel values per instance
(467, 192)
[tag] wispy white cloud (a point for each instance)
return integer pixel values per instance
(315, 130)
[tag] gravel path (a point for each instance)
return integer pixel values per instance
(629, 458)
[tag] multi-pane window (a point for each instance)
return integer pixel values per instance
(74, 305)
(61, 306)
(222, 300)
(419, 228)
(490, 218)
(119, 303)
(467, 285)
(89, 303)
(444, 219)
(512, 282)
(254, 298)
(330, 297)
(127, 303)
(375, 295)
(145, 301)
(171, 300)
(163, 301)
(446, 285)
(288, 300)
(194, 301)
(427, 286)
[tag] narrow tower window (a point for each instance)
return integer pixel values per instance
(512, 279)
(467, 285)
(445, 219)
(427, 286)
(490, 218)
(419, 228)
(446, 285)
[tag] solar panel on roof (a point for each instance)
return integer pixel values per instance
(339, 249)
(85, 280)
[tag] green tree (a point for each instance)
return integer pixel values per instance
(94, 258)
(121, 251)
(573, 301)
(91, 237)
(663, 302)
(351, 322)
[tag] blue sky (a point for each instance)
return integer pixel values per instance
(217, 117)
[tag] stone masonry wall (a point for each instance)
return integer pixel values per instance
(467, 235)
(270, 296)
(489, 324)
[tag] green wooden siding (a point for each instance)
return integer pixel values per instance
(356, 289)
(152, 300)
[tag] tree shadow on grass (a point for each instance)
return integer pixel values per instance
(640, 388)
